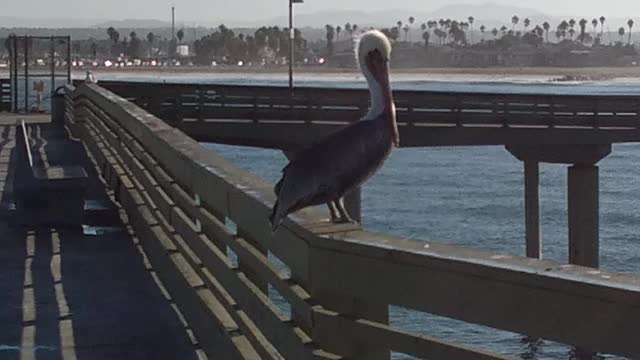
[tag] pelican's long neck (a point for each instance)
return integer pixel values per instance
(377, 99)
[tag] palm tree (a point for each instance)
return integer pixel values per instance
(594, 23)
(630, 25)
(621, 33)
(546, 26)
(329, 36)
(482, 30)
(110, 32)
(602, 20)
(347, 28)
(471, 20)
(504, 30)
(180, 35)
(338, 31)
(151, 37)
(399, 23)
(572, 32)
(113, 34)
(526, 23)
(514, 20)
(424, 28)
(354, 27)
(583, 26)
(411, 21)
(572, 23)
(538, 31)
(425, 37)
(406, 31)
(494, 32)
(562, 29)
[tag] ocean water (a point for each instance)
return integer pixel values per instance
(496, 83)
(473, 197)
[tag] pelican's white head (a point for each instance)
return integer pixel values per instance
(373, 52)
(369, 42)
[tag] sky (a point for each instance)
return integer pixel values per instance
(248, 10)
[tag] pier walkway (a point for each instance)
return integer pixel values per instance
(83, 293)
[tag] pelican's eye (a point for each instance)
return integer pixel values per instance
(375, 55)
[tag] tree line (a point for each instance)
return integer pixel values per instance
(455, 32)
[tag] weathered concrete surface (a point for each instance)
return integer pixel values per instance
(67, 295)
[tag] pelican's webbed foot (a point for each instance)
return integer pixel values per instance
(333, 211)
(343, 217)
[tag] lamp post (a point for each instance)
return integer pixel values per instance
(291, 41)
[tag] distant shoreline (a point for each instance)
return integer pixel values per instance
(552, 73)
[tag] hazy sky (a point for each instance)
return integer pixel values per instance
(210, 10)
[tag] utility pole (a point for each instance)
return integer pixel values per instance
(292, 34)
(173, 23)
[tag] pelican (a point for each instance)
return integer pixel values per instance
(90, 78)
(325, 171)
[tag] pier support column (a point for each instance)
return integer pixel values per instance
(352, 203)
(583, 199)
(582, 195)
(532, 209)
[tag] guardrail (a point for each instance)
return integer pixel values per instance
(270, 116)
(194, 213)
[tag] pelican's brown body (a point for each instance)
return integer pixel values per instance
(350, 156)
(325, 171)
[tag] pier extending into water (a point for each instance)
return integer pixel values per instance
(202, 222)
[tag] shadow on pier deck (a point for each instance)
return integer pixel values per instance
(73, 294)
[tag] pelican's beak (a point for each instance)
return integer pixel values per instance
(381, 69)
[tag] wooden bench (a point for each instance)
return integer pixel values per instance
(44, 194)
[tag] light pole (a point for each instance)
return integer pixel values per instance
(291, 41)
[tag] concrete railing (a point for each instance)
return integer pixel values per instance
(195, 214)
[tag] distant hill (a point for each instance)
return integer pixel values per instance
(134, 23)
(489, 13)
(53, 22)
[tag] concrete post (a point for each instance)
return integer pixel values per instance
(532, 209)
(356, 308)
(583, 202)
(255, 278)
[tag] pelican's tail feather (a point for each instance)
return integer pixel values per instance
(276, 217)
(276, 189)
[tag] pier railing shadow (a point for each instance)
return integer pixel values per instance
(71, 294)
(191, 209)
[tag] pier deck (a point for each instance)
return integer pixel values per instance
(74, 294)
